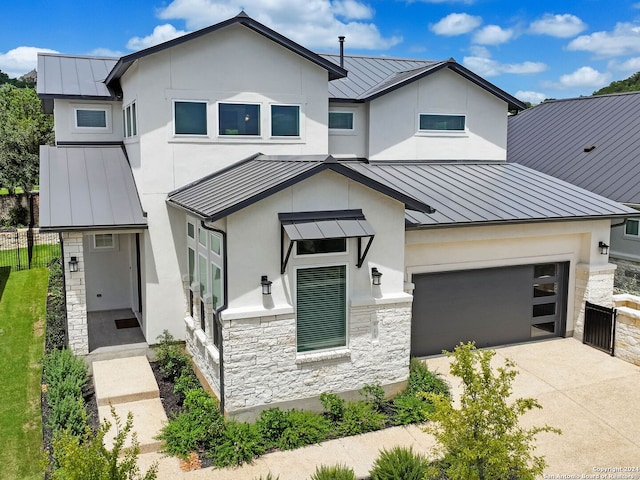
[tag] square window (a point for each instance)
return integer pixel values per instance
(632, 228)
(454, 123)
(94, 118)
(238, 119)
(103, 240)
(341, 120)
(285, 121)
(190, 118)
(321, 308)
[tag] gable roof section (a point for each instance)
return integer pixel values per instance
(552, 138)
(472, 193)
(372, 77)
(335, 71)
(87, 188)
(251, 180)
(68, 76)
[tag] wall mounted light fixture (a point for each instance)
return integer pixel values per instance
(375, 276)
(73, 264)
(266, 285)
(604, 248)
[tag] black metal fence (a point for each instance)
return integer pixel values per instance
(600, 327)
(28, 248)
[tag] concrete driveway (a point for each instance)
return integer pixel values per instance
(593, 397)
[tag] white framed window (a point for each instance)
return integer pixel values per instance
(341, 121)
(285, 120)
(632, 228)
(130, 120)
(92, 118)
(190, 117)
(239, 119)
(321, 307)
(437, 122)
(103, 241)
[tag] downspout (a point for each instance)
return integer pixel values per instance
(217, 311)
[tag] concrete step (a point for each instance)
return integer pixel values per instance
(123, 380)
(148, 419)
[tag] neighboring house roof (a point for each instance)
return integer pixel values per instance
(85, 188)
(335, 71)
(592, 142)
(372, 77)
(249, 181)
(462, 193)
(472, 193)
(67, 76)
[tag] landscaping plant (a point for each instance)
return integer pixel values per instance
(171, 357)
(399, 463)
(334, 472)
(483, 439)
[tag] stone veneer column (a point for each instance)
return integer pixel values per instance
(78, 333)
(593, 284)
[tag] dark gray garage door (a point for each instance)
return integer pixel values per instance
(494, 306)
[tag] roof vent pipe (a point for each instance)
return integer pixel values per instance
(341, 40)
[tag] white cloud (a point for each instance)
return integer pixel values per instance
(529, 96)
(456, 24)
(312, 23)
(585, 77)
(21, 60)
(161, 33)
(623, 40)
(561, 26)
(106, 52)
(492, 35)
(630, 65)
(481, 63)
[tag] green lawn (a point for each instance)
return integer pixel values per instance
(23, 297)
(42, 255)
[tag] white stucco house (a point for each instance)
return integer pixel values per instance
(306, 222)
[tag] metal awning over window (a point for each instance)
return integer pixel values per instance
(324, 225)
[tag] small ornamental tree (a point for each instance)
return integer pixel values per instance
(482, 439)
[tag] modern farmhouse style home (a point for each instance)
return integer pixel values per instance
(306, 222)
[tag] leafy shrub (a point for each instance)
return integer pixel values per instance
(18, 216)
(334, 472)
(399, 463)
(483, 438)
(55, 336)
(411, 409)
(68, 414)
(205, 411)
(60, 365)
(240, 442)
(181, 436)
(360, 417)
(187, 380)
(333, 405)
(271, 424)
(306, 428)
(85, 457)
(374, 394)
(421, 379)
(171, 357)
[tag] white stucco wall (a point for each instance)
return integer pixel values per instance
(352, 143)
(394, 121)
(64, 121)
(440, 250)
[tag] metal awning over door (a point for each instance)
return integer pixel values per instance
(324, 225)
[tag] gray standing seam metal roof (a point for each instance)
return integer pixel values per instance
(84, 188)
(462, 193)
(552, 137)
(74, 76)
(327, 224)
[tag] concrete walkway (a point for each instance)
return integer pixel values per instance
(592, 397)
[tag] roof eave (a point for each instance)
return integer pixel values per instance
(84, 228)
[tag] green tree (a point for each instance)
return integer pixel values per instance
(23, 128)
(631, 84)
(482, 439)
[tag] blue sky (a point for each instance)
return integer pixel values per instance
(533, 49)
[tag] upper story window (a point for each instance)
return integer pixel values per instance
(632, 228)
(91, 117)
(190, 117)
(130, 120)
(446, 123)
(341, 121)
(324, 245)
(285, 120)
(238, 119)
(103, 241)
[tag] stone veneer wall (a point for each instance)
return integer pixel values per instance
(262, 366)
(627, 343)
(627, 278)
(593, 284)
(78, 333)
